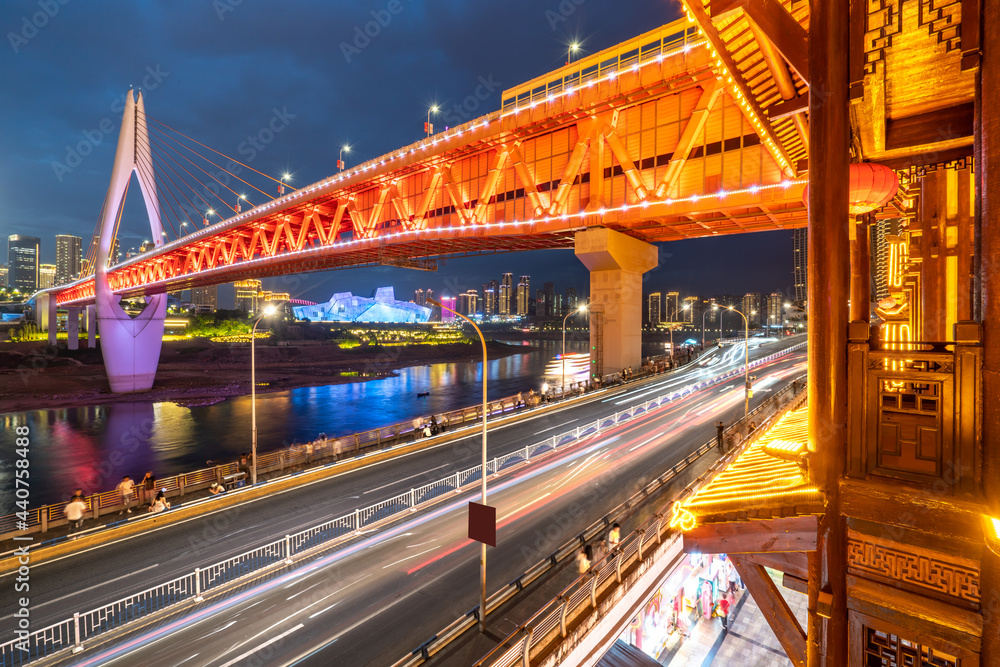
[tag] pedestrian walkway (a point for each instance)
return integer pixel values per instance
(749, 641)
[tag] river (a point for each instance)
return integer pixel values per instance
(92, 447)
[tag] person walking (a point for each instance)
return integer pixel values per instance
(126, 488)
(74, 513)
(722, 609)
(148, 487)
(583, 559)
(719, 428)
(614, 537)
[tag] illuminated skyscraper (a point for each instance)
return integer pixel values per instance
(523, 295)
(22, 262)
(655, 311)
(800, 256)
(506, 289)
(67, 258)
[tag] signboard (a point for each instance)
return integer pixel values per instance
(483, 523)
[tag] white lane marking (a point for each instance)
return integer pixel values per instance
(556, 426)
(191, 658)
(530, 502)
(322, 610)
(409, 557)
(412, 546)
(379, 488)
(318, 583)
(262, 632)
(267, 643)
(644, 442)
(103, 583)
(227, 625)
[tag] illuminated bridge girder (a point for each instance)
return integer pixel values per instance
(663, 151)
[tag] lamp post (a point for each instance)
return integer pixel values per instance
(482, 477)
(340, 160)
(715, 307)
(281, 185)
(268, 310)
(569, 52)
(581, 309)
(239, 205)
(746, 362)
(428, 128)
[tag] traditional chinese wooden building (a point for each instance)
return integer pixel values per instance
(880, 498)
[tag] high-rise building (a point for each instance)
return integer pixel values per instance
(655, 309)
(247, 294)
(419, 297)
(671, 306)
(800, 258)
(489, 301)
(22, 262)
(523, 295)
(752, 309)
(205, 299)
(46, 276)
(467, 302)
(551, 309)
(775, 309)
(571, 300)
(67, 258)
(446, 312)
(506, 289)
(690, 309)
(3, 276)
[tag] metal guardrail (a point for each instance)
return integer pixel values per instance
(552, 620)
(73, 632)
(40, 519)
(571, 601)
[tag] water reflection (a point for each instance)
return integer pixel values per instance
(92, 447)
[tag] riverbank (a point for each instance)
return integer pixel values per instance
(191, 372)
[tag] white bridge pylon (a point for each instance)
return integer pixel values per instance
(130, 346)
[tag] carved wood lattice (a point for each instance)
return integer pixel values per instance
(883, 649)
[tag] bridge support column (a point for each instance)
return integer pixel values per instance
(616, 264)
(130, 346)
(91, 327)
(73, 328)
(46, 315)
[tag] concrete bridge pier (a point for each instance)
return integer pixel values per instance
(91, 327)
(73, 328)
(616, 263)
(45, 315)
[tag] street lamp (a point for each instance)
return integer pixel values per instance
(482, 476)
(746, 362)
(268, 310)
(715, 307)
(428, 128)
(569, 52)
(281, 184)
(340, 160)
(239, 206)
(581, 309)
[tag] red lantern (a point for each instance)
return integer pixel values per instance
(871, 186)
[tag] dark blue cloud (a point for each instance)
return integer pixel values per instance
(217, 70)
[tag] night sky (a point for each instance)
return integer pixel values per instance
(218, 71)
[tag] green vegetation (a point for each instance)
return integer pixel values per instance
(219, 323)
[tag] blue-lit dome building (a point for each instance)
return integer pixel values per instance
(346, 307)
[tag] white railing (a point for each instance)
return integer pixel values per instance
(73, 632)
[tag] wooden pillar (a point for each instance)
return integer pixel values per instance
(931, 221)
(988, 221)
(860, 270)
(964, 247)
(829, 291)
